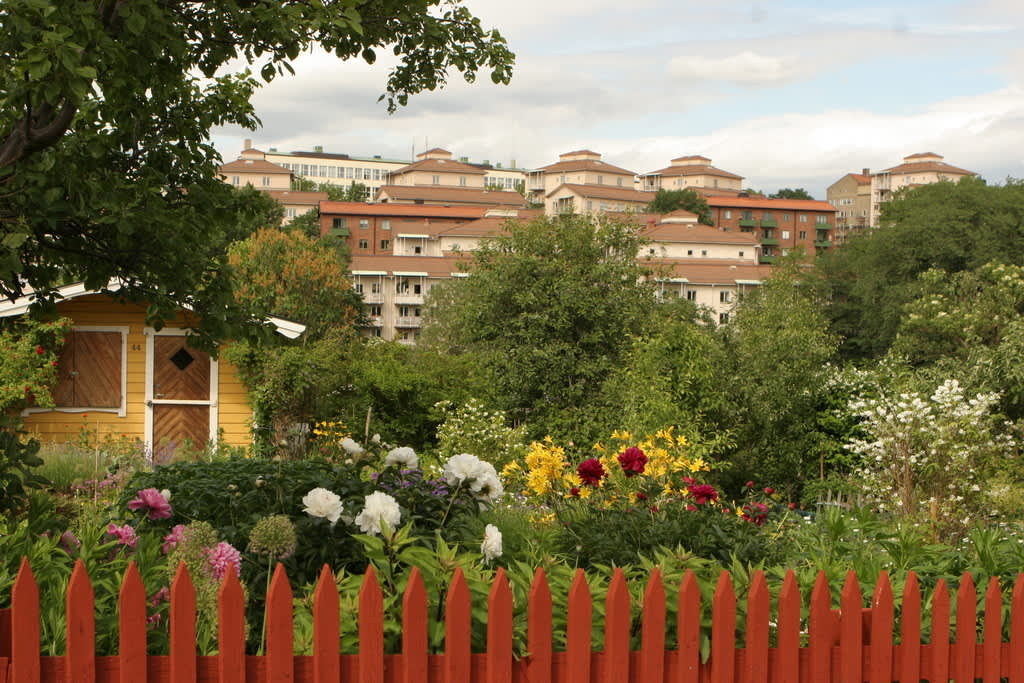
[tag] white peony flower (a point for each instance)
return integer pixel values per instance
(491, 546)
(350, 446)
(322, 503)
(403, 457)
(461, 468)
(166, 493)
(378, 506)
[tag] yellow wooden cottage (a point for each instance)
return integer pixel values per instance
(131, 380)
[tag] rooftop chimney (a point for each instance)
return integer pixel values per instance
(866, 171)
(247, 145)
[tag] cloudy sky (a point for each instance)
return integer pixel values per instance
(787, 93)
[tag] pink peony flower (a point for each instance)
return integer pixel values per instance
(152, 502)
(769, 490)
(755, 512)
(702, 493)
(591, 471)
(632, 460)
(125, 534)
(172, 539)
(221, 556)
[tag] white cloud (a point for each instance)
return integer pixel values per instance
(744, 68)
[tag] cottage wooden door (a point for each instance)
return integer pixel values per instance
(182, 400)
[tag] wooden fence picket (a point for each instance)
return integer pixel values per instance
(326, 629)
(457, 630)
(853, 644)
(230, 629)
(910, 631)
(414, 630)
(499, 630)
(966, 644)
(80, 657)
(183, 627)
(131, 627)
(652, 638)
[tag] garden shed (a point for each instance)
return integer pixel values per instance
(122, 378)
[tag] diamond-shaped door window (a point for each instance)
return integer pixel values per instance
(182, 359)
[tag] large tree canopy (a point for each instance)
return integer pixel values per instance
(106, 106)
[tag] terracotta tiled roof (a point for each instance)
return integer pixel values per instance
(434, 266)
(483, 227)
(927, 167)
(861, 178)
(253, 166)
(578, 151)
(923, 154)
(681, 213)
(696, 169)
(762, 203)
(415, 210)
(585, 165)
(292, 197)
(611, 192)
(443, 165)
(714, 192)
(696, 233)
(716, 273)
(453, 195)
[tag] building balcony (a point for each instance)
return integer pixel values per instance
(373, 298)
(823, 244)
(748, 223)
(408, 321)
(822, 226)
(376, 321)
(766, 259)
(770, 241)
(769, 223)
(406, 298)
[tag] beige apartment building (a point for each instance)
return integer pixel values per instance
(917, 169)
(851, 197)
(581, 167)
(252, 168)
(436, 178)
(336, 169)
(573, 198)
(692, 172)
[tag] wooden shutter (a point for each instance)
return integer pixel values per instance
(89, 371)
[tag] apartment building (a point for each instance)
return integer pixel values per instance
(573, 198)
(252, 168)
(392, 229)
(336, 169)
(695, 173)
(917, 169)
(436, 178)
(851, 196)
(580, 167)
(778, 224)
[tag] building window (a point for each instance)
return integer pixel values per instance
(348, 172)
(723, 318)
(376, 174)
(364, 244)
(767, 215)
(359, 174)
(747, 215)
(89, 372)
(358, 287)
(385, 224)
(600, 180)
(691, 295)
(338, 223)
(727, 214)
(266, 181)
(402, 287)
(803, 234)
(822, 218)
(235, 180)
(785, 234)
(724, 296)
(786, 216)
(703, 252)
(417, 249)
(436, 179)
(803, 218)
(417, 289)
(385, 244)
(741, 254)
(462, 180)
(618, 181)
(689, 252)
(375, 288)
(403, 311)
(375, 309)
(364, 223)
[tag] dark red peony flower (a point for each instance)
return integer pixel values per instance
(40, 350)
(632, 460)
(769, 490)
(755, 512)
(750, 484)
(574, 492)
(591, 471)
(702, 493)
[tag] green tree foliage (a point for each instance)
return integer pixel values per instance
(549, 311)
(953, 227)
(789, 193)
(353, 192)
(667, 201)
(288, 274)
(780, 344)
(106, 167)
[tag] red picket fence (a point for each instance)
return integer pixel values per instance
(849, 645)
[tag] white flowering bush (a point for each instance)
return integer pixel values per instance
(926, 456)
(472, 427)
